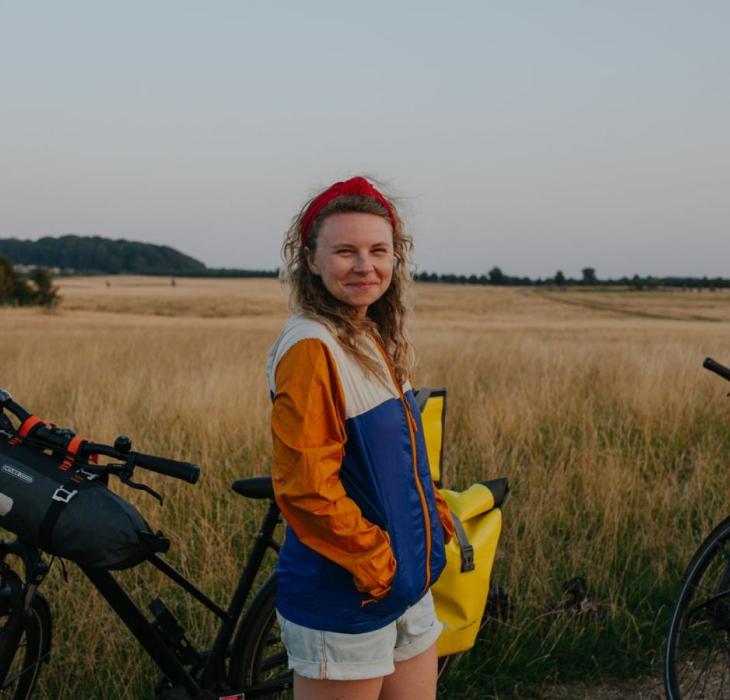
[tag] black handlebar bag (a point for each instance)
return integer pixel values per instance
(49, 501)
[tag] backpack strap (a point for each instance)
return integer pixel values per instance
(467, 551)
(27, 425)
(78, 481)
(421, 395)
(71, 452)
(25, 429)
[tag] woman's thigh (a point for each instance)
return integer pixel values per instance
(312, 689)
(413, 679)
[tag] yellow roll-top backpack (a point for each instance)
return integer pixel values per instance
(460, 594)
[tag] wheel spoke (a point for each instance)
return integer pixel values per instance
(713, 600)
(23, 671)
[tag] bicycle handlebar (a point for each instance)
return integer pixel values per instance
(717, 368)
(186, 471)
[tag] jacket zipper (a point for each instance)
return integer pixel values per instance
(412, 429)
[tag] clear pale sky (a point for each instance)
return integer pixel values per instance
(532, 135)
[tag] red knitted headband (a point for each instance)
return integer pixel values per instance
(357, 186)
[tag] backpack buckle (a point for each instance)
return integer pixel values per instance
(89, 476)
(63, 495)
(467, 558)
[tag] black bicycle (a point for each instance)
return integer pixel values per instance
(697, 656)
(247, 658)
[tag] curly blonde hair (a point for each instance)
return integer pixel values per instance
(385, 319)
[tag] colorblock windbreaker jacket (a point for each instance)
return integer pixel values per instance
(365, 525)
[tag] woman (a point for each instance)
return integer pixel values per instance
(366, 527)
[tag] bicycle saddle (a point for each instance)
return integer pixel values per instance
(254, 487)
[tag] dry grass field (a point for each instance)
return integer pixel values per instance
(593, 403)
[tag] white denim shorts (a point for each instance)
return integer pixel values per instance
(347, 657)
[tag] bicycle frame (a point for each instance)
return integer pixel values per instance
(213, 677)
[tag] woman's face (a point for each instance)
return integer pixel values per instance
(354, 258)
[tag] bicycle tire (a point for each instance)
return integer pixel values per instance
(258, 656)
(697, 655)
(30, 653)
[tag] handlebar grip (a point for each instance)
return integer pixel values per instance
(717, 368)
(169, 467)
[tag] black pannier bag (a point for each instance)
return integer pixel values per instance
(50, 501)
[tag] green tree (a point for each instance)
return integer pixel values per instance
(6, 280)
(560, 278)
(496, 276)
(44, 292)
(21, 291)
(13, 288)
(589, 275)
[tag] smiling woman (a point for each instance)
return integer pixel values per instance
(366, 528)
(354, 258)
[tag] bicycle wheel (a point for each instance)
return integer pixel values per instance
(697, 657)
(25, 658)
(258, 660)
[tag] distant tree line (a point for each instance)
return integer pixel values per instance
(588, 279)
(94, 255)
(72, 254)
(97, 255)
(229, 272)
(32, 289)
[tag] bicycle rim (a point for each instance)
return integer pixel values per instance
(697, 659)
(28, 655)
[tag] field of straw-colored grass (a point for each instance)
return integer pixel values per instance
(594, 404)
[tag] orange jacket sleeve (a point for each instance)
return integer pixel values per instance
(447, 522)
(308, 426)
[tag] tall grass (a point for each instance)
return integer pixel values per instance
(614, 442)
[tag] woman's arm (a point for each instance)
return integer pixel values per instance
(308, 426)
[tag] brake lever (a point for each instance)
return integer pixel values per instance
(124, 473)
(142, 487)
(125, 476)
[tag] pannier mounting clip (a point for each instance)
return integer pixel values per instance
(63, 495)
